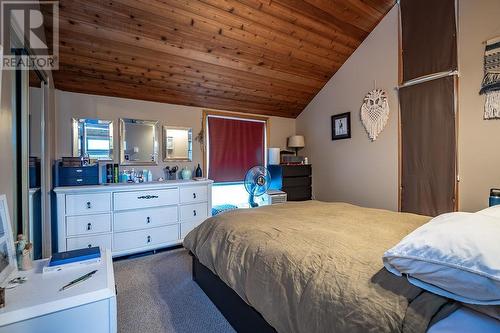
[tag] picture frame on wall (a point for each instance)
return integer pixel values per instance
(341, 126)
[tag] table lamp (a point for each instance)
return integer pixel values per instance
(297, 142)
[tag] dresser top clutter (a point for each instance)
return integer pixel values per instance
(130, 217)
(106, 187)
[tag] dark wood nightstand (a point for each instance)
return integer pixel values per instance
(297, 182)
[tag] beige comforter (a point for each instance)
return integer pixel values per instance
(315, 266)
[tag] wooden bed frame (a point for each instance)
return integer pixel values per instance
(243, 317)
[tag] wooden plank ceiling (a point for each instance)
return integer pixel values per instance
(257, 56)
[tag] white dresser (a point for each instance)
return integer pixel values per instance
(130, 218)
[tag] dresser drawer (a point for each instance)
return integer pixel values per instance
(87, 224)
(90, 203)
(297, 181)
(88, 241)
(145, 199)
(297, 193)
(186, 227)
(79, 172)
(297, 170)
(144, 218)
(194, 211)
(141, 238)
(194, 194)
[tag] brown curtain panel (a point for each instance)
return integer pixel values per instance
(428, 141)
(428, 37)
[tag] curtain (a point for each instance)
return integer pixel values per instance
(234, 146)
(428, 145)
(428, 37)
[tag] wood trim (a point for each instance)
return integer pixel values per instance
(400, 81)
(457, 160)
(457, 109)
(207, 113)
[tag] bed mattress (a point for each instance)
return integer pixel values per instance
(317, 267)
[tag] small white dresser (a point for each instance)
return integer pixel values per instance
(130, 218)
(39, 306)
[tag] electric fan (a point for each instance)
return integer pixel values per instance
(257, 182)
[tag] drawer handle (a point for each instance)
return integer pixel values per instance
(89, 205)
(148, 220)
(149, 239)
(89, 226)
(79, 170)
(194, 195)
(147, 197)
(194, 212)
(79, 180)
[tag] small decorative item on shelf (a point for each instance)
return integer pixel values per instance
(23, 250)
(198, 172)
(116, 173)
(186, 173)
(171, 172)
(109, 173)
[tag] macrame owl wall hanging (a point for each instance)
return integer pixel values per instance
(375, 112)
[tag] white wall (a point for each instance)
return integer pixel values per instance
(357, 170)
(366, 173)
(74, 105)
(479, 152)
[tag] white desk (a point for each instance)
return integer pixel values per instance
(38, 305)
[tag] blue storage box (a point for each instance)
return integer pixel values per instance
(75, 176)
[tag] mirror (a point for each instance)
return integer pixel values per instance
(177, 143)
(32, 228)
(8, 262)
(138, 142)
(93, 138)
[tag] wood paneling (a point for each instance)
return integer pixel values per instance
(254, 56)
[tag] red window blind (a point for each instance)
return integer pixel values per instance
(234, 146)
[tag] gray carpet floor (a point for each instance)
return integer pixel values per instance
(157, 294)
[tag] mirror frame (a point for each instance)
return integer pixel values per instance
(156, 147)
(164, 143)
(74, 145)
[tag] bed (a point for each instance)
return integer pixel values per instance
(313, 267)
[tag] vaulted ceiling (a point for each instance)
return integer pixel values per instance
(257, 56)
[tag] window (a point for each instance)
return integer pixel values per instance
(234, 145)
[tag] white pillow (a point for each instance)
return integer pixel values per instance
(493, 211)
(456, 255)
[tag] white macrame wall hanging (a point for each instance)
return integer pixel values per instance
(375, 112)
(491, 80)
(492, 105)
